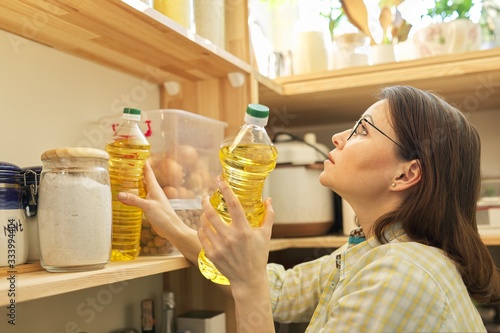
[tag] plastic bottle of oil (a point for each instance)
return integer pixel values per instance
(246, 162)
(127, 155)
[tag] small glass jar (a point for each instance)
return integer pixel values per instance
(13, 233)
(74, 210)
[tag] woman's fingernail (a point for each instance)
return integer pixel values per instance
(122, 196)
(218, 179)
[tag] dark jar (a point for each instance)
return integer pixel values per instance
(13, 232)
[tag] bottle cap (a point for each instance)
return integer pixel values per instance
(131, 114)
(257, 114)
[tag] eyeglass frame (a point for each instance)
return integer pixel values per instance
(354, 129)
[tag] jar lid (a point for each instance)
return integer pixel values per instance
(9, 173)
(82, 152)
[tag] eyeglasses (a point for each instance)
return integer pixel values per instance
(357, 130)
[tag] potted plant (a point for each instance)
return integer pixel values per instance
(450, 30)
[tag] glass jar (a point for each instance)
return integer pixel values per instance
(74, 210)
(13, 233)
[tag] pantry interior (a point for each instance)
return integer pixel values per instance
(65, 65)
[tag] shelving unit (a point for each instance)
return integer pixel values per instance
(468, 79)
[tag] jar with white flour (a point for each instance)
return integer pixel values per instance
(74, 210)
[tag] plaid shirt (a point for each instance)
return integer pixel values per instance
(365, 286)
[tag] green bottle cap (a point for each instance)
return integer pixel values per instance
(132, 111)
(258, 110)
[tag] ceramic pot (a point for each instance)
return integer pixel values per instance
(350, 49)
(460, 35)
(382, 54)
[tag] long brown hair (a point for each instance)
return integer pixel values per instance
(441, 210)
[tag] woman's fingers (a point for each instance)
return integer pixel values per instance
(238, 217)
(154, 192)
(267, 223)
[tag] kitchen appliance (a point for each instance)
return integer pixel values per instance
(303, 207)
(488, 207)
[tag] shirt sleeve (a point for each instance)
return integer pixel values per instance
(295, 292)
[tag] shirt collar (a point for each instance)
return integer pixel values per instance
(358, 245)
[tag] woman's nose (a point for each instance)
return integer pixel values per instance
(339, 139)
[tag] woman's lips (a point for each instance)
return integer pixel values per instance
(330, 158)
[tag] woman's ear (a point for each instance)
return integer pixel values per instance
(409, 176)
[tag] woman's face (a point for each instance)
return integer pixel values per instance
(363, 167)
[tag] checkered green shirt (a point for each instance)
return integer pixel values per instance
(365, 286)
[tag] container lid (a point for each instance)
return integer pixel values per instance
(293, 150)
(67, 152)
(257, 114)
(9, 173)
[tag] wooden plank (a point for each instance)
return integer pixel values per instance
(121, 34)
(39, 284)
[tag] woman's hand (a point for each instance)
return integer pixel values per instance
(238, 250)
(163, 218)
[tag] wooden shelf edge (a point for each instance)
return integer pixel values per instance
(328, 241)
(126, 35)
(189, 35)
(40, 283)
(419, 69)
(335, 241)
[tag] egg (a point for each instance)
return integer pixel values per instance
(168, 172)
(171, 192)
(194, 181)
(187, 156)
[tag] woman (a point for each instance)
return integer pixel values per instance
(410, 170)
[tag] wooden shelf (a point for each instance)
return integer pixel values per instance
(33, 282)
(468, 80)
(329, 241)
(126, 35)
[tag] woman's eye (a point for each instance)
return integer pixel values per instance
(361, 130)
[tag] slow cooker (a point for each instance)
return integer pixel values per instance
(303, 207)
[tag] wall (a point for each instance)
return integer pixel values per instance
(49, 99)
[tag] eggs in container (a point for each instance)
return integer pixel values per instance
(183, 173)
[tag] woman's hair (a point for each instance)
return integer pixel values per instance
(440, 211)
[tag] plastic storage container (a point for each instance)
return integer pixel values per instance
(13, 235)
(74, 210)
(246, 160)
(185, 160)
